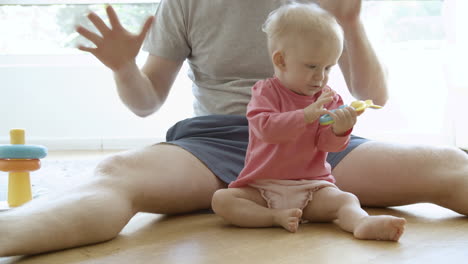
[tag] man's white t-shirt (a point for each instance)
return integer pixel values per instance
(223, 43)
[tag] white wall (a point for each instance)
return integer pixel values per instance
(70, 102)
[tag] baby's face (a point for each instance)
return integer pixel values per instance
(308, 64)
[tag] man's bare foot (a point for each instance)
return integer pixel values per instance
(382, 227)
(288, 218)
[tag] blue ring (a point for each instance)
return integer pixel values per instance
(327, 119)
(22, 152)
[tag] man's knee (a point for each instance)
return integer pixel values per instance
(456, 155)
(113, 166)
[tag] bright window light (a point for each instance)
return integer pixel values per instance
(421, 42)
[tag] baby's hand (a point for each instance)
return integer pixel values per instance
(315, 110)
(345, 119)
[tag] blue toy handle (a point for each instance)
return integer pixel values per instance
(327, 119)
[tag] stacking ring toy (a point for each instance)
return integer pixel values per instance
(15, 165)
(359, 106)
(18, 160)
(22, 152)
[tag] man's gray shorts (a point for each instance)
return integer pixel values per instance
(220, 142)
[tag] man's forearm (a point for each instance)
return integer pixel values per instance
(136, 91)
(363, 72)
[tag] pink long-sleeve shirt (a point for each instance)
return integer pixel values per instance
(281, 144)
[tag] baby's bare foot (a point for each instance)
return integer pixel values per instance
(382, 227)
(288, 218)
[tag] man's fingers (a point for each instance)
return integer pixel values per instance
(113, 18)
(98, 23)
(93, 37)
(87, 49)
(145, 29)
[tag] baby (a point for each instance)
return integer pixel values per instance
(286, 178)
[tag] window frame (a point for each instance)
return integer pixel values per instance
(74, 2)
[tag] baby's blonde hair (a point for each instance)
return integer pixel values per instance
(294, 20)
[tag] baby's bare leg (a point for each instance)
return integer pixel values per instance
(331, 204)
(245, 207)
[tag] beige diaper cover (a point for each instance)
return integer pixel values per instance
(285, 194)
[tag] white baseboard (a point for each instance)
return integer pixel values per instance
(90, 143)
(4, 206)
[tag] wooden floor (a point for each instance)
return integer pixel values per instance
(433, 235)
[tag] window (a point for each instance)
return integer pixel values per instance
(417, 43)
(50, 28)
(66, 99)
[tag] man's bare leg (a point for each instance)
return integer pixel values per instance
(382, 174)
(245, 207)
(160, 179)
